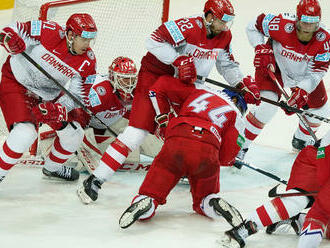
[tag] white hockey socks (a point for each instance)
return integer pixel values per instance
(118, 150)
(278, 209)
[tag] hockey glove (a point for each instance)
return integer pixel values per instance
(298, 99)
(52, 114)
(162, 122)
(11, 41)
(264, 58)
(250, 90)
(186, 69)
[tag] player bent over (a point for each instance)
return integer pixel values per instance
(182, 48)
(310, 172)
(297, 50)
(63, 53)
(204, 136)
(109, 99)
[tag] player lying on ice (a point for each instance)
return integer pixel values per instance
(63, 53)
(182, 48)
(109, 99)
(310, 173)
(297, 50)
(204, 135)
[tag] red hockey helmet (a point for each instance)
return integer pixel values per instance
(82, 24)
(221, 9)
(123, 75)
(309, 11)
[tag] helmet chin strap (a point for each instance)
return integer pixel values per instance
(70, 42)
(208, 26)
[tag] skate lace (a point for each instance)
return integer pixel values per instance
(65, 172)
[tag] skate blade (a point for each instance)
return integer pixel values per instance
(57, 179)
(134, 212)
(84, 198)
(225, 242)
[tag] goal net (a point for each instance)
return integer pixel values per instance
(123, 26)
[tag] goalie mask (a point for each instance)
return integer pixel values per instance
(239, 102)
(123, 76)
(308, 15)
(221, 10)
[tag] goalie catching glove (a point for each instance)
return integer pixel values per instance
(250, 90)
(11, 41)
(186, 69)
(53, 114)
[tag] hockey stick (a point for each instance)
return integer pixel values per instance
(272, 193)
(279, 104)
(302, 118)
(239, 164)
(66, 91)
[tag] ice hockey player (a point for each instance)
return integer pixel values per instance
(109, 99)
(310, 173)
(297, 50)
(204, 135)
(63, 53)
(182, 48)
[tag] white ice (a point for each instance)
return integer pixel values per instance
(35, 212)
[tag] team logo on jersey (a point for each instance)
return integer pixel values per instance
(289, 27)
(101, 90)
(320, 36)
(61, 33)
(199, 23)
(90, 54)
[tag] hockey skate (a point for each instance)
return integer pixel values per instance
(241, 154)
(296, 222)
(88, 192)
(133, 212)
(1, 178)
(235, 238)
(224, 209)
(65, 173)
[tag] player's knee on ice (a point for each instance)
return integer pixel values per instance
(22, 136)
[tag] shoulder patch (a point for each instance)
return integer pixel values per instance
(174, 31)
(199, 23)
(266, 22)
(289, 27)
(320, 36)
(35, 28)
(93, 98)
(90, 54)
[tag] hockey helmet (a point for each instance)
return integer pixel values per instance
(123, 76)
(309, 11)
(240, 102)
(221, 9)
(82, 24)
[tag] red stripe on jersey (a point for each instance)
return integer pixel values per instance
(120, 147)
(59, 148)
(263, 216)
(304, 130)
(249, 135)
(280, 208)
(10, 153)
(254, 121)
(111, 162)
(55, 159)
